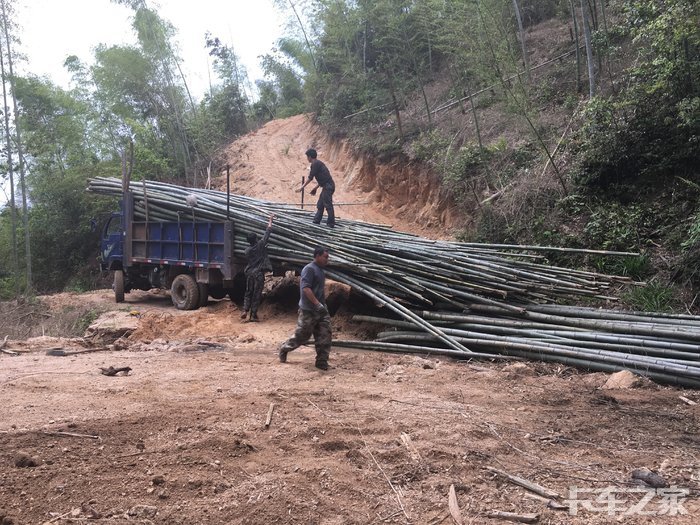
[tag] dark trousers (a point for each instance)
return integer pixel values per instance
(325, 202)
(312, 323)
(254, 282)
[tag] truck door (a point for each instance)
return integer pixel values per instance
(112, 246)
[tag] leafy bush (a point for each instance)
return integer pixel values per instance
(7, 288)
(62, 237)
(468, 159)
(638, 268)
(613, 226)
(491, 227)
(84, 320)
(652, 130)
(693, 238)
(429, 146)
(339, 102)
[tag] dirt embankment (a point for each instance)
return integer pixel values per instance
(270, 163)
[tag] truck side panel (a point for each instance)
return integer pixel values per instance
(196, 245)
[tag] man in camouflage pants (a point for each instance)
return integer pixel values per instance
(314, 318)
(258, 264)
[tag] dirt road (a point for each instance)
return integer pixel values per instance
(269, 164)
(379, 438)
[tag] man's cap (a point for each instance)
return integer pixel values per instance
(311, 153)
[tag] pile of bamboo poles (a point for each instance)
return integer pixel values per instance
(663, 347)
(428, 284)
(411, 269)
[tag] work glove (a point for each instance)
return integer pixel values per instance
(313, 192)
(320, 308)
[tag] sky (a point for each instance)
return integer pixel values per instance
(51, 30)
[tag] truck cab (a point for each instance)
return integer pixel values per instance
(112, 245)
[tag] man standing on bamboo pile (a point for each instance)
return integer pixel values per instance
(314, 318)
(320, 172)
(258, 264)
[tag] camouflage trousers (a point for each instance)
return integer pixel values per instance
(325, 202)
(254, 282)
(312, 323)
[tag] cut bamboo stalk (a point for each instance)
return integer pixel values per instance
(529, 485)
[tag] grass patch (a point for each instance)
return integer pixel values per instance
(654, 297)
(32, 318)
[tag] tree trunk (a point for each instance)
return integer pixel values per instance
(419, 74)
(20, 154)
(427, 105)
(607, 47)
(589, 50)
(187, 88)
(526, 61)
(397, 112)
(306, 38)
(476, 120)
(364, 50)
(10, 170)
(577, 42)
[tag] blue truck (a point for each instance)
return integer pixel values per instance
(192, 259)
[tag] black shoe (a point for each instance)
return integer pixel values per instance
(319, 222)
(322, 366)
(244, 314)
(331, 225)
(254, 318)
(283, 356)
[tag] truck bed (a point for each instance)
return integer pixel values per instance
(192, 244)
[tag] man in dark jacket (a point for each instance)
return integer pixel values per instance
(314, 318)
(258, 264)
(322, 175)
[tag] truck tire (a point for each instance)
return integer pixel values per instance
(118, 286)
(203, 294)
(184, 292)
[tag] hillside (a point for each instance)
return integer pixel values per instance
(269, 164)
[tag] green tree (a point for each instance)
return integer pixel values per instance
(265, 108)
(6, 10)
(133, 110)
(10, 277)
(145, 88)
(283, 69)
(651, 132)
(60, 157)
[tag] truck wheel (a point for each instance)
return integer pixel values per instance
(203, 289)
(184, 292)
(118, 286)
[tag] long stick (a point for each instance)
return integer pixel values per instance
(70, 434)
(269, 415)
(398, 496)
(529, 485)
